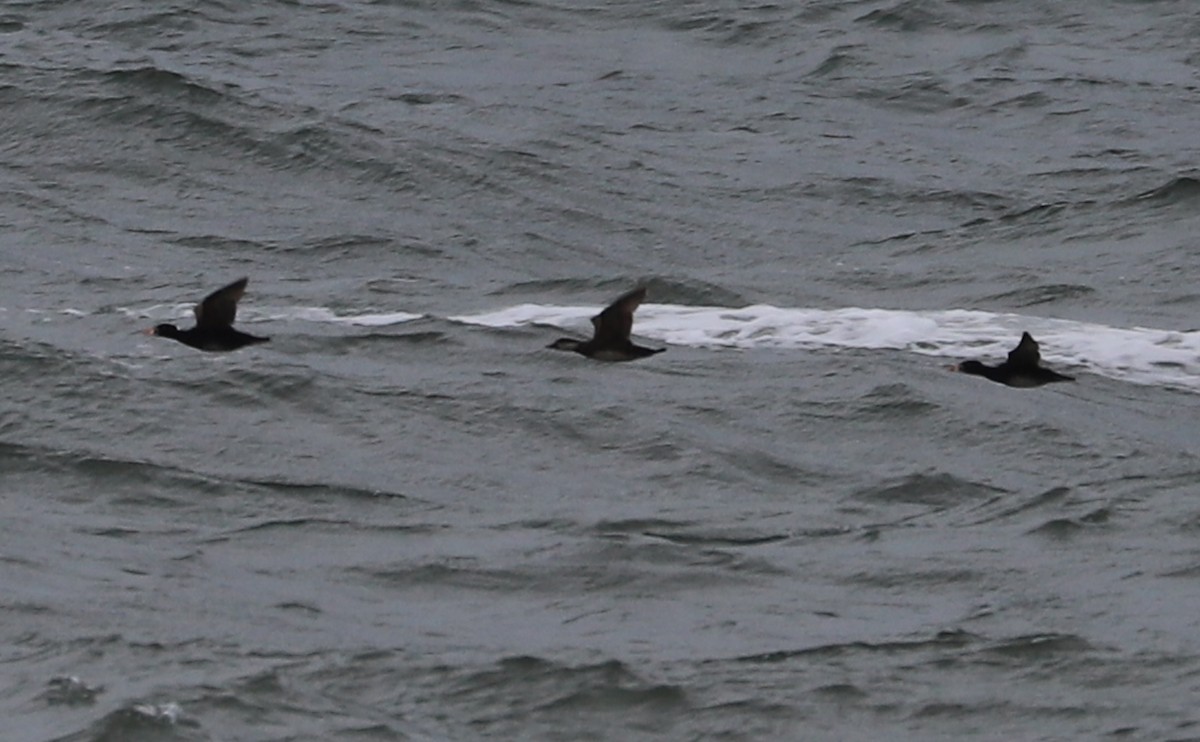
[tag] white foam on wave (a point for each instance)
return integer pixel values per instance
(1140, 355)
(163, 713)
(321, 314)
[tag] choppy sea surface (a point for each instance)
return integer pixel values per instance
(405, 519)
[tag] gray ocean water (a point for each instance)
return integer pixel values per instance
(405, 519)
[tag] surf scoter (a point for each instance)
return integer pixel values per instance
(610, 341)
(214, 323)
(1022, 369)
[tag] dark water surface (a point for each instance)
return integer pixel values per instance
(404, 519)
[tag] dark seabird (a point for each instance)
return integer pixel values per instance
(610, 341)
(1022, 369)
(214, 322)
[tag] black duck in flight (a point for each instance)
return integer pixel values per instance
(1022, 369)
(214, 323)
(610, 341)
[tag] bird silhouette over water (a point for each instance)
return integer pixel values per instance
(214, 322)
(1022, 369)
(610, 341)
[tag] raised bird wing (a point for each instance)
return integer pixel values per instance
(616, 321)
(1026, 354)
(220, 307)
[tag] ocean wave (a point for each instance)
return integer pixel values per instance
(1183, 190)
(1139, 355)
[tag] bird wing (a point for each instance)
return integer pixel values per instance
(1026, 354)
(220, 307)
(616, 321)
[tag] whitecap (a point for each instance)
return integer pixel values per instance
(1139, 354)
